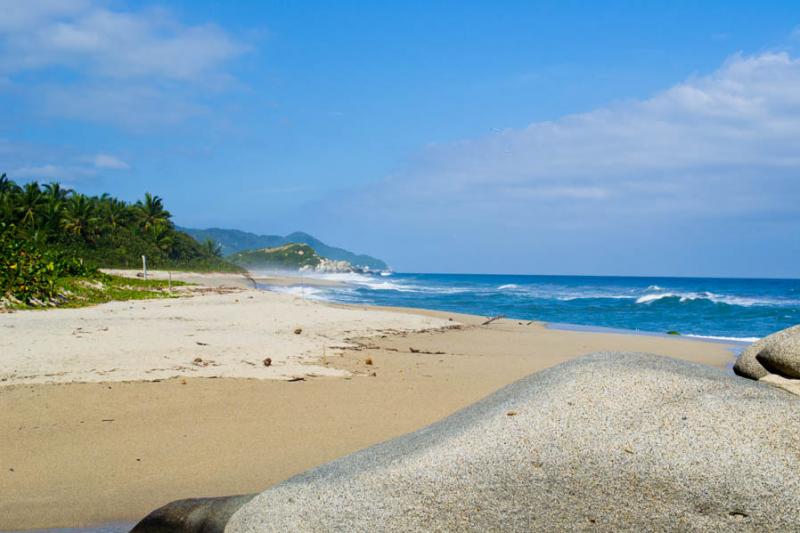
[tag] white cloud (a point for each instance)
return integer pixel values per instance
(18, 16)
(732, 136)
(106, 161)
(43, 172)
(117, 66)
(42, 162)
(720, 150)
(117, 44)
(134, 106)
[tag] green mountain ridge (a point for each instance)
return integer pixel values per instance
(233, 241)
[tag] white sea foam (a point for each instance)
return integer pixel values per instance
(591, 296)
(508, 286)
(718, 338)
(711, 297)
(650, 298)
(304, 291)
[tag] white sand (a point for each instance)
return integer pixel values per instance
(231, 333)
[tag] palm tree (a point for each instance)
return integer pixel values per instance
(8, 193)
(115, 212)
(151, 212)
(212, 248)
(7, 186)
(79, 218)
(54, 197)
(162, 237)
(29, 205)
(54, 191)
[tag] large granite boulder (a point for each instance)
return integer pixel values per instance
(783, 356)
(748, 364)
(611, 441)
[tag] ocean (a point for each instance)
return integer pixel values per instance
(717, 308)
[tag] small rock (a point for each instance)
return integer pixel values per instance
(268, 361)
(368, 361)
(298, 331)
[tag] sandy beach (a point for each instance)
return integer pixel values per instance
(114, 410)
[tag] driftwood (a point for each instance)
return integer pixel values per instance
(250, 278)
(492, 319)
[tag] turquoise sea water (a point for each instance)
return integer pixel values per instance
(736, 309)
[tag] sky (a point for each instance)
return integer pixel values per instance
(598, 138)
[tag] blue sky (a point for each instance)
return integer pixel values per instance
(561, 137)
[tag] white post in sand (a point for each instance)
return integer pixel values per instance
(144, 266)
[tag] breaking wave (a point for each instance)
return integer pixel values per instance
(683, 297)
(718, 309)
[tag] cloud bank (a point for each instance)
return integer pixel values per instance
(723, 149)
(121, 67)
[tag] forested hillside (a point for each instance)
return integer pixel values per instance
(49, 232)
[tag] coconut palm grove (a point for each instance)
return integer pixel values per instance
(50, 234)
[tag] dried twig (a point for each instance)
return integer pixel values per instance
(492, 319)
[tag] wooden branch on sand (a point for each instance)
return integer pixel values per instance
(492, 319)
(249, 277)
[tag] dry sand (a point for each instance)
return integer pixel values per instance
(211, 334)
(85, 453)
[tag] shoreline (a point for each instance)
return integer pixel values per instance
(134, 445)
(295, 281)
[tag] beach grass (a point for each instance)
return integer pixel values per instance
(83, 291)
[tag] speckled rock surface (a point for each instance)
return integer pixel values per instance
(782, 356)
(748, 365)
(611, 441)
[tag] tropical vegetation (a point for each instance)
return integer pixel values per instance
(49, 233)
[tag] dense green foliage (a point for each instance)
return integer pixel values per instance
(102, 230)
(30, 275)
(287, 257)
(49, 233)
(232, 241)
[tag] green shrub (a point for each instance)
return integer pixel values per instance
(29, 274)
